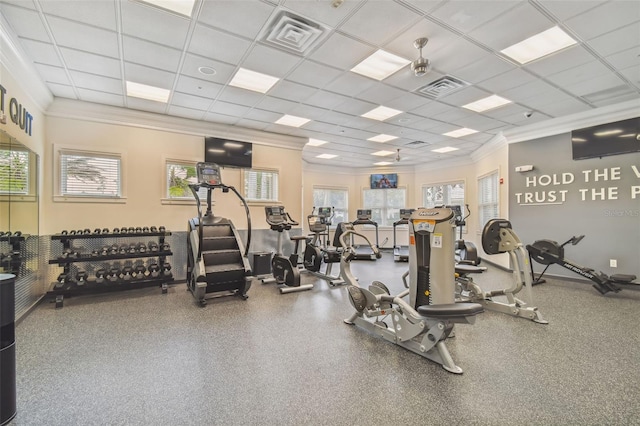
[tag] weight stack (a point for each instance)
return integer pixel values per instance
(7, 348)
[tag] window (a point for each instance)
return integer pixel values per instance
(332, 197)
(445, 194)
(261, 185)
(487, 198)
(90, 175)
(179, 175)
(14, 172)
(385, 204)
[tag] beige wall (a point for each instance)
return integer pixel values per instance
(145, 152)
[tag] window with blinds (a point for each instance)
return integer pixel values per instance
(385, 204)
(14, 172)
(261, 185)
(85, 175)
(446, 194)
(487, 198)
(332, 197)
(178, 177)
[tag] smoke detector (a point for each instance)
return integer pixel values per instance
(420, 66)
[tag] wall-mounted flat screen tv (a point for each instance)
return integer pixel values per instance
(616, 138)
(386, 180)
(226, 152)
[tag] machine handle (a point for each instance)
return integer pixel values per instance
(344, 242)
(291, 221)
(576, 240)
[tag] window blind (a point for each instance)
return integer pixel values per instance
(90, 175)
(385, 204)
(261, 185)
(14, 172)
(487, 198)
(336, 198)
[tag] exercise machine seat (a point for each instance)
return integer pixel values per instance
(622, 278)
(450, 310)
(465, 268)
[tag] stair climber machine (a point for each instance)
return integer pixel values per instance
(422, 324)
(316, 253)
(548, 252)
(284, 269)
(401, 253)
(217, 263)
(499, 237)
(365, 252)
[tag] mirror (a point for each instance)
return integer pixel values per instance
(18, 204)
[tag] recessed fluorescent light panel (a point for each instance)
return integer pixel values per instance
(445, 149)
(151, 93)
(460, 132)
(485, 104)
(326, 156)
(252, 80)
(380, 65)
(383, 153)
(316, 142)
(382, 138)
(382, 163)
(292, 120)
(539, 45)
(381, 113)
(183, 7)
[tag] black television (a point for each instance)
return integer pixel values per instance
(384, 180)
(620, 137)
(226, 152)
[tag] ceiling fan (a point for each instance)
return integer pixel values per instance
(398, 155)
(420, 66)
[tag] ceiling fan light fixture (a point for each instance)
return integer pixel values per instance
(420, 66)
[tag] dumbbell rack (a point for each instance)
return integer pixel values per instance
(91, 286)
(12, 259)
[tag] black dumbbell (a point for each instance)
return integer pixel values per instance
(95, 253)
(140, 272)
(142, 248)
(153, 246)
(133, 248)
(105, 250)
(145, 229)
(162, 229)
(72, 232)
(127, 273)
(113, 274)
(154, 270)
(66, 253)
(114, 249)
(166, 270)
(138, 230)
(116, 230)
(132, 230)
(64, 232)
(62, 278)
(97, 231)
(100, 275)
(124, 249)
(105, 230)
(16, 234)
(86, 231)
(81, 277)
(166, 247)
(153, 229)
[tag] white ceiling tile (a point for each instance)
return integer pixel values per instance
(218, 45)
(540, 101)
(565, 9)
(169, 29)
(380, 93)
(61, 90)
(223, 74)
(379, 21)
(310, 112)
(270, 61)
(617, 40)
(578, 74)
(190, 101)
(439, 38)
(149, 76)
(90, 63)
(240, 96)
(221, 118)
(406, 80)
(84, 37)
(278, 105)
(618, 99)
(594, 85)
(528, 90)
(632, 73)
(326, 100)
(466, 53)
(26, 23)
(607, 17)
(456, 116)
(229, 109)
(522, 22)
(566, 107)
(198, 87)
(43, 53)
(508, 80)
(422, 124)
(563, 60)
(407, 102)
(313, 74)
(193, 114)
(484, 68)
(431, 109)
(96, 82)
(99, 13)
(292, 91)
(150, 54)
(482, 123)
(464, 96)
(319, 12)
(100, 97)
(238, 17)
(350, 84)
(342, 52)
(252, 124)
(146, 105)
(467, 15)
(51, 74)
(625, 59)
(506, 111)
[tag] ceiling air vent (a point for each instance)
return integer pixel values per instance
(441, 87)
(293, 33)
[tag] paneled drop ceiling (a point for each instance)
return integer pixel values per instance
(87, 50)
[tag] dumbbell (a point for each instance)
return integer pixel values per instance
(66, 253)
(154, 270)
(166, 247)
(64, 232)
(114, 249)
(104, 251)
(124, 249)
(80, 232)
(142, 248)
(127, 273)
(72, 232)
(140, 272)
(97, 231)
(132, 230)
(81, 277)
(95, 253)
(133, 248)
(153, 246)
(100, 275)
(153, 229)
(116, 230)
(138, 230)
(86, 231)
(113, 274)
(162, 229)
(62, 279)
(105, 230)
(145, 229)
(166, 270)
(16, 234)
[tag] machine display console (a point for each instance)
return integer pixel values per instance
(364, 214)
(406, 213)
(275, 214)
(324, 212)
(208, 173)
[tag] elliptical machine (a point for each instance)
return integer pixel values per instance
(285, 272)
(217, 263)
(315, 253)
(466, 251)
(422, 324)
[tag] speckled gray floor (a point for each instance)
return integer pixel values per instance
(143, 358)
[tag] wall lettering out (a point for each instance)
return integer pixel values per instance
(598, 185)
(17, 113)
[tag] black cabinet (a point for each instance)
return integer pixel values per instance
(107, 261)
(7, 349)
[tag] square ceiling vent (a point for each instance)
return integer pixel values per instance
(441, 87)
(293, 33)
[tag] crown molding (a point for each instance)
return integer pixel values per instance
(12, 58)
(496, 143)
(87, 111)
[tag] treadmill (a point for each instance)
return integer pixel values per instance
(365, 252)
(401, 253)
